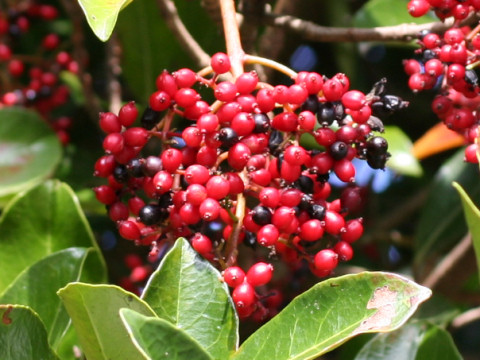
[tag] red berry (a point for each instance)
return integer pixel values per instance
(128, 114)
(220, 63)
(247, 82)
(243, 295)
(344, 250)
(233, 276)
(268, 235)
(201, 243)
(311, 230)
(260, 274)
(326, 260)
(129, 230)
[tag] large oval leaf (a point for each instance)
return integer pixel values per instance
(472, 216)
(159, 339)
(94, 310)
(30, 150)
(22, 335)
(102, 15)
(37, 288)
(37, 223)
(415, 341)
(441, 222)
(186, 290)
(332, 312)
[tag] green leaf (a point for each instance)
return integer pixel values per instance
(441, 222)
(74, 86)
(333, 311)
(94, 310)
(23, 335)
(40, 222)
(102, 15)
(186, 290)
(30, 150)
(417, 340)
(159, 339)
(37, 287)
(400, 146)
(387, 13)
(472, 216)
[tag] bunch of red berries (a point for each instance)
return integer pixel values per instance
(31, 78)
(236, 175)
(459, 9)
(447, 63)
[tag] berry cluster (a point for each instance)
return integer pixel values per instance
(459, 9)
(236, 174)
(31, 78)
(446, 63)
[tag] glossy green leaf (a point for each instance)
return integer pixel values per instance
(40, 222)
(37, 287)
(333, 311)
(387, 13)
(29, 147)
(102, 15)
(186, 290)
(94, 310)
(441, 224)
(414, 341)
(472, 216)
(23, 335)
(159, 339)
(400, 147)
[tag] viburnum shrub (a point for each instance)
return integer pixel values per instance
(236, 176)
(247, 198)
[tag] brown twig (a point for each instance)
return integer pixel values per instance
(449, 262)
(314, 32)
(170, 15)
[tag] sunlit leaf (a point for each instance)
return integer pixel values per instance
(40, 222)
(37, 288)
(186, 290)
(159, 339)
(333, 311)
(102, 15)
(94, 310)
(23, 335)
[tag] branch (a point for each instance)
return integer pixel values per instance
(466, 318)
(449, 262)
(314, 32)
(232, 36)
(172, 19)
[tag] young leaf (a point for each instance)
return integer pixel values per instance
(400, 146)
(333, 311)
(94, 310)
(42, 221)
(157, 338)
(23, 335)
(102, 15)
(37, 288)
(472, 215)
(418, 340)
(186, 291)
(441, 222)
(30, 150)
